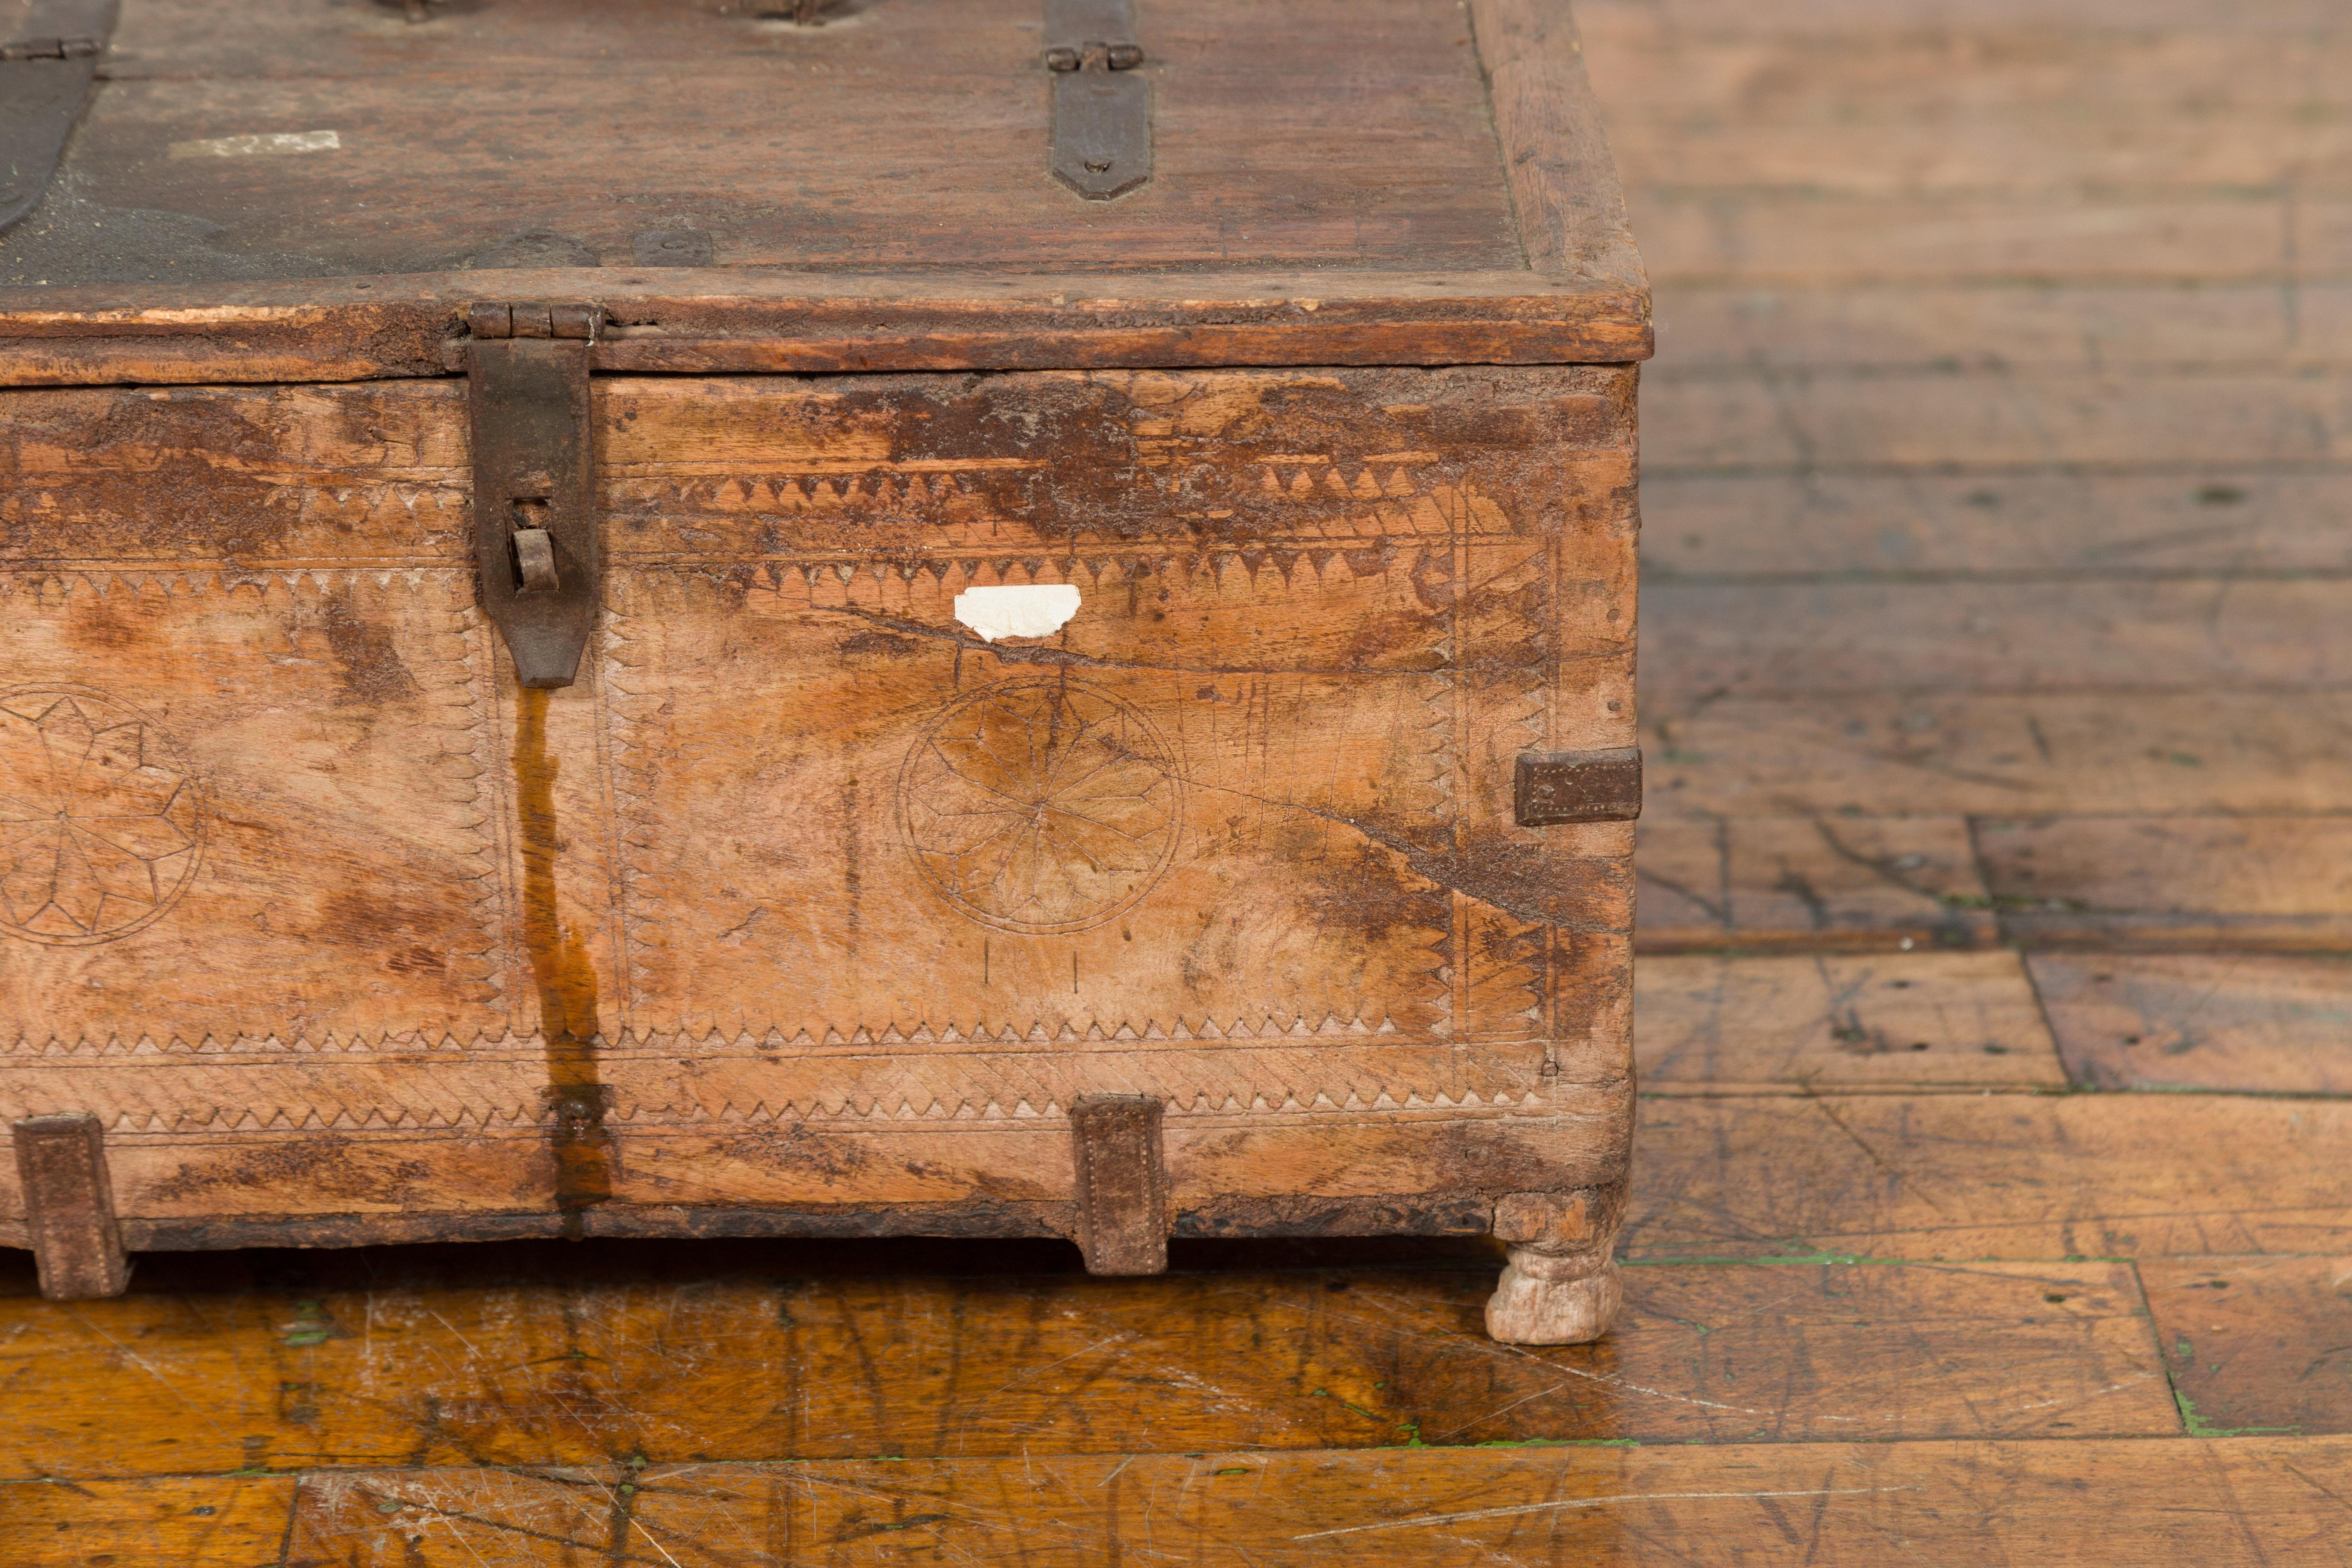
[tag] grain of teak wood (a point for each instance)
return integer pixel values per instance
(812, 900)
(2264, 1500)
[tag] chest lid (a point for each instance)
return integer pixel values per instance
(316, 189)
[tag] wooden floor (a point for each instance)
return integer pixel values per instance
(1993, 1201)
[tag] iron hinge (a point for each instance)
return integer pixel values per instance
(50, 49)
(539, 552)
(1102, 110)
(1552, 789)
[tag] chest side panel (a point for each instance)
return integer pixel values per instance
(857, 901)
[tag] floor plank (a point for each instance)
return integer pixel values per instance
(1763, 417)
(1814, 882)
(1990, 1175)
(1775, 240)
(2238, 1022)
(220, 1521)
(1757, 128)
(2009, 325)
(1792, 1024)
(2275, 1501)
(2211, 520)
(2256, 1344)
(1961, 755)
(1916, 111)
(734, 1367)
(2279, 882)
(1834, 21)
(1701, 640)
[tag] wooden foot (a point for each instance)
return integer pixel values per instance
(69, 1207)
(1561, 1287)
(1548, 1301)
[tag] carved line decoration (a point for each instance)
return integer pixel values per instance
(660, 1042)
(101, 824)
(1043, 805)
(872, 1111)
(876, 1115)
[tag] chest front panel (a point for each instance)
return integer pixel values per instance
(809, 891)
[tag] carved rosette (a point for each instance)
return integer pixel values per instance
(1040, 805)
(101, 826)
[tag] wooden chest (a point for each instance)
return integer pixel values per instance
(969, 617)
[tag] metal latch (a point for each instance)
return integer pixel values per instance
(1552, 789)
(1102, 108)
(537, 551)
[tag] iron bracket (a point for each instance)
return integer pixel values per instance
(70, 1207)
(1551, 789)
(45, 79)
(538, 552)
(1102, 107)
(1122, 1170)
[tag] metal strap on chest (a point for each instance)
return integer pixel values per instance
(1101, 101)
(45, 77)
(1102, 106)
(538, 550)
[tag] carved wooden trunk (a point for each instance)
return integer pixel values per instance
(949, 618)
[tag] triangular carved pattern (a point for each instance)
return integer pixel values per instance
(921, 1036)
(212, 1094)
(981, 506)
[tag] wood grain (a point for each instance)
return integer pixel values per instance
(1904, 1176)
(1262, 153)
(2018, 143)
(216, 1521)
(557, 1366)
(1962, 753)
(2270, 1502)
(1778, 638)
(1774, 241)
(2255, 1344)
(2232, 1022)
(1880, 110)
(1750, 1025)
(1811, 881)
(1999, 476)
(703, 322)
(1991, 420)
(1304, 233)
(1564, 190)
(2209, 519)
(2025, 328)
(2276, 882)
(1322, 614)
(1805, 20)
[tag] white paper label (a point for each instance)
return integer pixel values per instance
(1021, 610)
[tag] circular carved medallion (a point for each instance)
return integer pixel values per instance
(1041, 804)
(101, 825)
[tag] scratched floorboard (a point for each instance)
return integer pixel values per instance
(1990, 1204)
(2003, 1505)
(584, 1364)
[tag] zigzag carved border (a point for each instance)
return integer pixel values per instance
(326, 1094)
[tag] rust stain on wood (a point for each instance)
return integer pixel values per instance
(1321, 612)
(565, 979)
